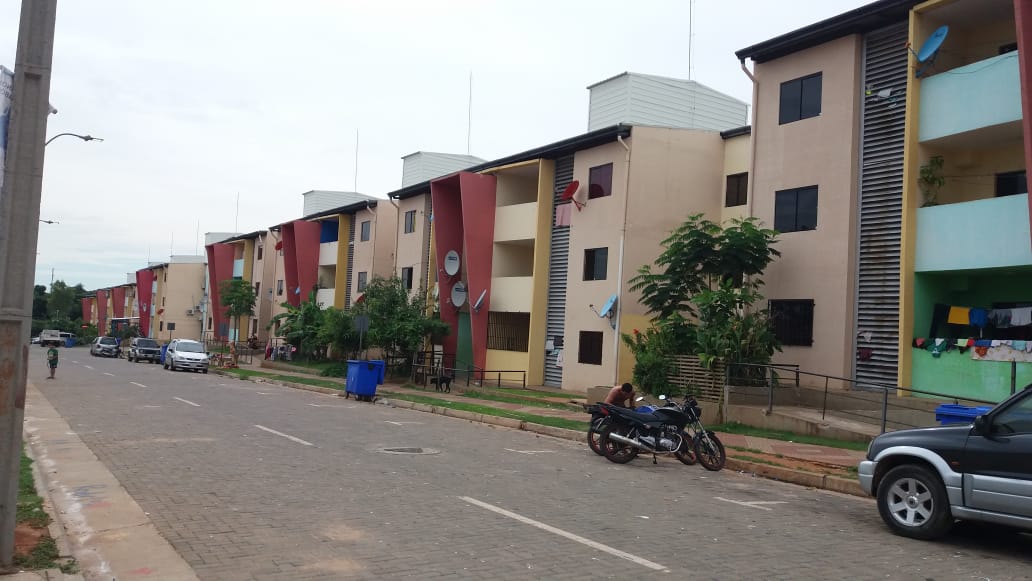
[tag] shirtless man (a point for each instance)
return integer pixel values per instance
(621, 395)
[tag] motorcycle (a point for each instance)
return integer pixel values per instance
(600, 420)
(672, 429)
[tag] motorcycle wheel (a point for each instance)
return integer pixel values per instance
(710, 451)
(595, 434)
(686, 454)
(614, 451)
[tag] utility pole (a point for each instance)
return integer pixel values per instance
(19, 228)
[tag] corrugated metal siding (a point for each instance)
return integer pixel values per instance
(351, 261)
(558, 262)
(322, 200)
(663, 102)
(881, 204)
(427, 165)
(428, 212)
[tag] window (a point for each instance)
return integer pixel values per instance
(1009, 47)
(410, 221)
(590, 351)
(800, 99)
(737, 192)
(595, 262)
(254, 327)
(161, 326)
(162, 301)
(1011, 183)
(600, 181)
(406, 277)
(1016, 419)
(366, 227)
(508, 331)
(164, 276)
(279, 287)
(793, 321)
(362, 280)
(259, 253)
(257, 289)
(795, 210)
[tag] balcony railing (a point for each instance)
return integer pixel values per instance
(976, 96)
(989, 233)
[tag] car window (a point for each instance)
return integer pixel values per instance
(146, 343)
(1016, 419)
(190, 347)
(108, 341)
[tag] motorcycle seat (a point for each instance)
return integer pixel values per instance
(641, 417)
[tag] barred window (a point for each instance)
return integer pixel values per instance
(590, 351)
(406, 277)
(793, 321)
(508, 331)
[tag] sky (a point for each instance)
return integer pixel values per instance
(204, 102)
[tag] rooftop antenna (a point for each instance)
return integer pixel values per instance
(469, 114)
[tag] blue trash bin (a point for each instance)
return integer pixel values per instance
(362, 378)
(952, 414)
(69, 342)
(380, 369)
(164, 349)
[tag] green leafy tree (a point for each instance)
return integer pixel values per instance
(338, 331)
(39, 302)
(397, 324)
(301, 326)
(61, 304)
(238, 297)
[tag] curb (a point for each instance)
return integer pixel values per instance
(290, 384)
(798, 477)
(56, 527)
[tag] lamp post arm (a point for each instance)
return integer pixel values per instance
(82, 137)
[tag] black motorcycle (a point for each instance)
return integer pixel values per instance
(601, 419)
(672, 429)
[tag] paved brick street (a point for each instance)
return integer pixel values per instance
(252, 481)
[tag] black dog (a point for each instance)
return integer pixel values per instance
(441, 383)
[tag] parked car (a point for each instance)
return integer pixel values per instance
(35, 340)
(50, 337)
(142, 348)
(926, 478)
(186, 354)
(104, 347)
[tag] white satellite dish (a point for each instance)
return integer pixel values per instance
(476, 305)
(458, 294)
(451, 263)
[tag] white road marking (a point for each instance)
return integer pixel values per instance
(400, 423)
(347, 407)
(287, 436)
(196, 405)
(752, 504)
(75, 362)
(88, 366)
(137, 384)
(531, 452)
(151, 406)
(568, 535)
(111, 374)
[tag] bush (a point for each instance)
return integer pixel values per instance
(335, 370)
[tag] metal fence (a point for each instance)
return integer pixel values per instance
(428, 366)
(221, 352)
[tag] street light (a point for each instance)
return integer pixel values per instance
(82, 137)
(49, 221)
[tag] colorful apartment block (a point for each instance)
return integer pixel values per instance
(169, 298)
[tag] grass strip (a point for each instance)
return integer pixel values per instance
(247, 373)
(30, 505)
(509, 399)
(491, 411)
(737, 428)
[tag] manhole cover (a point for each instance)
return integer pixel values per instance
(405, 450)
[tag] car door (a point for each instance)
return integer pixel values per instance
(998, 466)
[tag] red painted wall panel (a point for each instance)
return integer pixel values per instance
(447, 215)
(306, 247)
(144, 280)
(478, 213)
(290, 263)
(87, 310)
(102, 313)
(1023, 22)
(220, 269)
(118, 302)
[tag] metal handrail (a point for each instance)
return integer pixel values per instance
(436, 368)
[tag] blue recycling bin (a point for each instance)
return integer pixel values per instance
(951, 414)
(380, 369)
(362, 379)
(69, 342)
(164, 349)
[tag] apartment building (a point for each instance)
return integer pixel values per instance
(169, 298)
(241, 257)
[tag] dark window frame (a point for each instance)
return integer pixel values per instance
(508, 331)
(259, 253)
(596, 338)
(600, 181)
(592, 269)
(363, 280)
(406, 277)
(736, 190)
(1011, 183)
(410, 221)
(797, 100)
(279, 287)
(791, 197)
(792, 320)
(365, 231)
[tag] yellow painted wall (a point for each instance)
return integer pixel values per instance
(542, 251)
(507, 361)
(341, 281)
(736, 161)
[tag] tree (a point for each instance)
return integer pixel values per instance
(338, 331)
(39, 302)
(397, 324)
(61, 302)
(238, 297)
(301, 325)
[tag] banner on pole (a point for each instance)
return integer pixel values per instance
(6, 90)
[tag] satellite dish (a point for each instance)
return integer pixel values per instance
(930, 49)
(451, 263)
(476, 305)
(607, 308)
(569, 192)
(458, 294)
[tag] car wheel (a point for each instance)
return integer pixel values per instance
(205, 370)
(912, 501)
(165, 364)
(171, 365)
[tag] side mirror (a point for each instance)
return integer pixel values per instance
(982, 425)
(662, 397)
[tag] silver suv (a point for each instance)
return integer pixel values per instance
(186, 354)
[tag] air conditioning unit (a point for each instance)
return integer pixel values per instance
(189, 312)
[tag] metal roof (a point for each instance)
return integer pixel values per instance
(550, 151)
(737, 131)
(863, 19)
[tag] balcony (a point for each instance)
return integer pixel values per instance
(238, 268)
(324, 297)
(985, 94)
(516, 222)
(327, 253)
(989, 233)
(510, 293)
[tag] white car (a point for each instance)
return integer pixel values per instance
(186, 354)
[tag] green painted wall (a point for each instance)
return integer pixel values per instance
(954, 373)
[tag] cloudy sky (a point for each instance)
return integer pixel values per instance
(201, 100)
